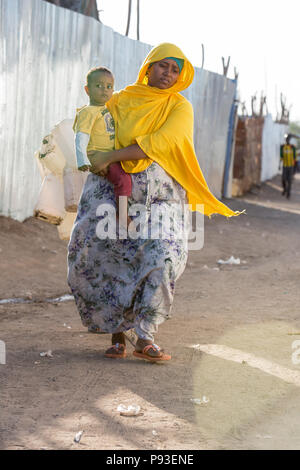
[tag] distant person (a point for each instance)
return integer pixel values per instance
(288, 159)
(297, 165)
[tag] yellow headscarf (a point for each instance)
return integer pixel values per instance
(161, 122)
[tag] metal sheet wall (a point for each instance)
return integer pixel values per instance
(212, 96)
(272, 138)
(45, 52)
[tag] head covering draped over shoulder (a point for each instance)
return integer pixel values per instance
(163, 52)
(161, 122)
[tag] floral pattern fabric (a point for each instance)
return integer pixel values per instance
(119, 284)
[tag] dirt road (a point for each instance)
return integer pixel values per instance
(231, 339)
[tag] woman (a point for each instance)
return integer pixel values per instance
(119, 284)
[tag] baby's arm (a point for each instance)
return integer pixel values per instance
(81, 143)
(84, 162)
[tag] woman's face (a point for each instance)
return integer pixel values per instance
(163, 74)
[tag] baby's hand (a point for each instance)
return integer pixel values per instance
(84, 168)
(99, 160)
(99, 173)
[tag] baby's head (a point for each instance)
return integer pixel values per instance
(99, 85)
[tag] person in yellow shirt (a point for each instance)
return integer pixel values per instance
(288, 160)
(129, 284)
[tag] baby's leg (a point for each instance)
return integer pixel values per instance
(122, 187)
(122, 211)
(120, 179)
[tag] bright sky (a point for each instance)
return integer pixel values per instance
(262, 37)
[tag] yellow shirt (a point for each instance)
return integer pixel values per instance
(288, 155)
(99, 124)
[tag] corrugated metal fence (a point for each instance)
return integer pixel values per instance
(272, 138)
(45, 53)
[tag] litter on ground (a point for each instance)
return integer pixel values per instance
(78, 436)
(46, 354)
(231, 260)
(200, 401)
(213, 269)
(131, 410)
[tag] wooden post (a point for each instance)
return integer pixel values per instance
(128, 17)
(138, 20)
(253, 105)
(225, 67)
(244, 108)
(263, 104)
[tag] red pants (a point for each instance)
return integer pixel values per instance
(121, 180)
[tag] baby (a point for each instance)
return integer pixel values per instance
(94, 130)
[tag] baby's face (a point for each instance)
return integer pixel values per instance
(100, 89)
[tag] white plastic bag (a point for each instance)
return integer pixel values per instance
(65, 227)
(73, 183)
(50, 206)
(51, 156)
(65, 140)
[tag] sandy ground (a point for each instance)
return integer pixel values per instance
(251, 311)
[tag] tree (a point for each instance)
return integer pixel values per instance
(86, 7)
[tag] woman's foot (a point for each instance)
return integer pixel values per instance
(145, 349)
(118, 338)
(118, 348)
(95, 329)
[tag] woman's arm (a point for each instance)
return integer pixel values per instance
(100, 160)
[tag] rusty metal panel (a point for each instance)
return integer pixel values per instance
(248, 154)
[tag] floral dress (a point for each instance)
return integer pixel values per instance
(121, 283)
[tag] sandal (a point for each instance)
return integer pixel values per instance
(152, 347)
(116, 351)
(95, 330)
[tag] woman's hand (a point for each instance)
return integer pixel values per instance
(100, 161)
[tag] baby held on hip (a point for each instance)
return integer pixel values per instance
(95, 133)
